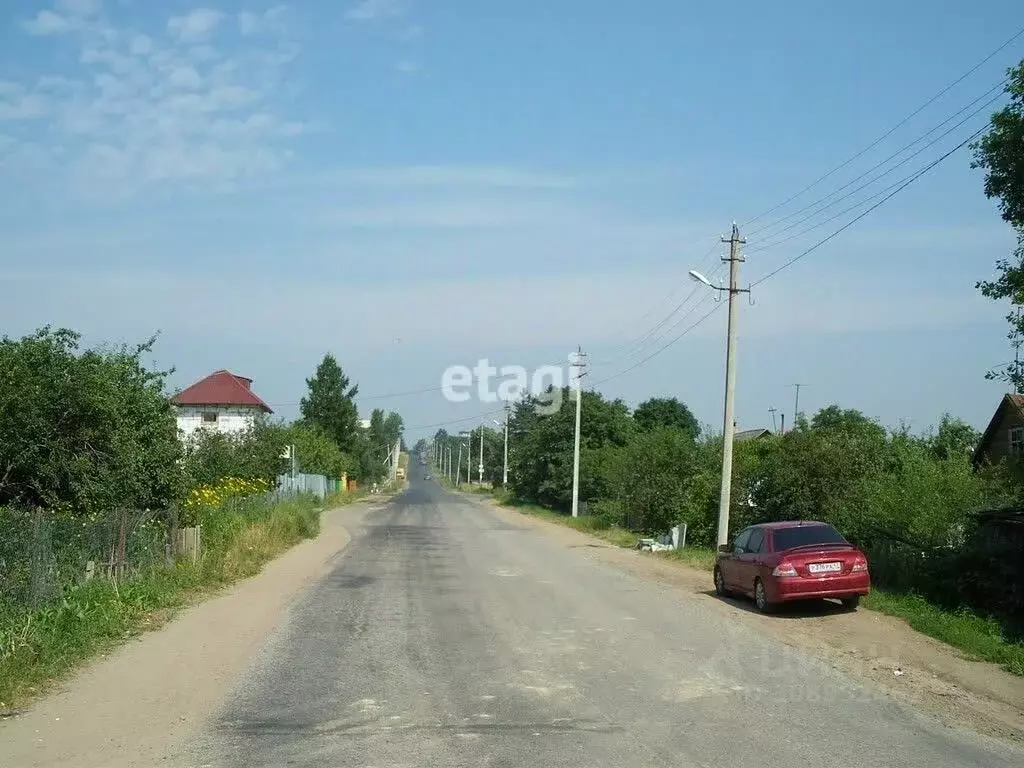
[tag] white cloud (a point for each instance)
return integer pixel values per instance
(16, 103)
(142, 112)
(196, 26)
(257, 23)
(373, 10)
(49, 23)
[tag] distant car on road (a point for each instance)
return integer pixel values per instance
(428, 477)
(796, 560)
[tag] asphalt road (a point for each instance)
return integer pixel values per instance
(448, 635)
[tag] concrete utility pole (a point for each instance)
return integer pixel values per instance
(579, 367)
(469, 457)
(504, 472)
(480, 468)
(458, 465)
(728, 422)
(796, 403)
(774, 424)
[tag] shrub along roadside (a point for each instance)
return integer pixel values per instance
(37, 647)
(979, 637)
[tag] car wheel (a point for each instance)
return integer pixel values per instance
(720, 588)
(761, 597)
(851, 603)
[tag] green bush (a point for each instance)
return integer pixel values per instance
(84, 430)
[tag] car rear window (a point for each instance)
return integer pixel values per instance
(799, 536)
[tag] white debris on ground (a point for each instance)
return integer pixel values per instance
(675, 539)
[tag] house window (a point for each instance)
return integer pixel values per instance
(209, 417)
(1016, 439)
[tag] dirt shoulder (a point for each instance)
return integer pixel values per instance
(131, 707)
(934, 677)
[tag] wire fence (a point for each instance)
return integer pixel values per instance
(44, 555)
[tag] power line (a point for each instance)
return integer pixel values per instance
(456, 421)
(700, 302)
(897, 185)
(614, 356)
(906, 183)
(661, 349)
(892, 130)
(896, 188)
(886, 199)
(654, 339)
(997, 87)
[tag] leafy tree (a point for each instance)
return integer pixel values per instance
(1000, 153)
(699, 509)
(84, 430)
(666, 412)
(542, 459)
(915, 498)
(393, 429)
(955, 439)
(851, 421)
(816, 468)
(384, 430)
(254, 454)
(657, 466)
(330, 404)
(318, 454)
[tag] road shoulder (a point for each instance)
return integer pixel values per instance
(912, 668)
(134, 705)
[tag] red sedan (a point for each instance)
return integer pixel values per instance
(797, 560)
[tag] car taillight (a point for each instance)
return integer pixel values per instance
(784, 569)
(860, 564)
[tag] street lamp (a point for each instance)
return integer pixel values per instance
(695, 275)
(729, 423)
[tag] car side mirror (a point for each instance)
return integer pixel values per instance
(725, 548)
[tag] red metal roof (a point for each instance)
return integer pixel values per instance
(221, 388)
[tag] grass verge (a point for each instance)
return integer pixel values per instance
(40, 646)
(978, 637)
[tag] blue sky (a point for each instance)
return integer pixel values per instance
(413, 185)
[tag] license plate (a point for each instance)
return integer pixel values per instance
(825, 567)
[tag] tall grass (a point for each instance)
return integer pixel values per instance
(39, 646)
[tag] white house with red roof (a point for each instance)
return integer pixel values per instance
(222, 401)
